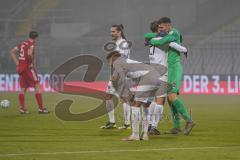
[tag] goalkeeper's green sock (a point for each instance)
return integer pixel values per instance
(175, 116)
(182, 110)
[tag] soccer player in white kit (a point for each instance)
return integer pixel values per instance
(159, 56)
(123, 48)
(146, 87)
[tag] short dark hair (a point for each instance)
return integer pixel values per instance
(164, 20)
(33, 34)
(154, 26)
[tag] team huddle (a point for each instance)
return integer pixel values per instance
(148, 85)
(135, 83)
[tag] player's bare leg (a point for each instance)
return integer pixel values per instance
(38, 95)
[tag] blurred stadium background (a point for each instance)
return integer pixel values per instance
(210, 28)
(211, 32)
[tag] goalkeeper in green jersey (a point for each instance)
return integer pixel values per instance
(174, 74)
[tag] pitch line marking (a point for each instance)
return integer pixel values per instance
(116, 151)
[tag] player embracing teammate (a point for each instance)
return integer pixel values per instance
(162, 78)
(24, 57)
(158, 59)
(148, 83)
(174, 74)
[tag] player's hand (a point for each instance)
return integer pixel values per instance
(147, 42)
(150, 35)
(17, 63)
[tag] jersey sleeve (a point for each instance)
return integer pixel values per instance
(178, 47)
(150, 35)
(163, 41)
(171, 37)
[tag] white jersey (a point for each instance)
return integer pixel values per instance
(157, 56)
(122, 47)
(124, 50)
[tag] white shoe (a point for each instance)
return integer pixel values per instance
(125, 126)
(131, 138)
(24, 111)
(144, 137)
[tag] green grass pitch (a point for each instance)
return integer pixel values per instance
(35, 137)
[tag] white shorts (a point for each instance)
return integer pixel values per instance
(145, 100)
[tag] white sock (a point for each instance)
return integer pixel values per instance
(127, 113)
(110, 109)
(151, 110)
(145, 121)
(135, 121)
(158, 111)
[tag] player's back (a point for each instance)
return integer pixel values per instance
(133, 69)
(23, 56)
(157, 56)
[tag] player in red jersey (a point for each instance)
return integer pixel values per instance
(23, 56)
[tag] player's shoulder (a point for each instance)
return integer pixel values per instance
(121, 41)
(174, 31)
(29, 43)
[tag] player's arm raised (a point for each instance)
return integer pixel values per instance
(13, 54)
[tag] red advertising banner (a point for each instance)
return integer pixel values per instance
(191, 84)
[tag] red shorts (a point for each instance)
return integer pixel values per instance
(28, 78)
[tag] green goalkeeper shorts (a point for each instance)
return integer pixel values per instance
(174, 77)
